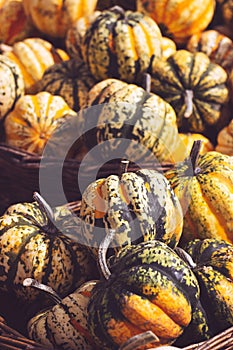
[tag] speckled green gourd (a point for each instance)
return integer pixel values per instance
(150, 288)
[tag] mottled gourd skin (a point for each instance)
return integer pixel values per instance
(179, 19)
(11, 85)
(206, 196)
(139, 206)
(138, 125)
(65, 324)
(29, 249)
(120, 45)
(214, 271)
(194, 86)
(150, 288)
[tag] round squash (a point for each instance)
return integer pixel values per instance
(225, 140)
(168, 47)
(179, 19)
(139, 206)
(126, 121)
(53, 17)
(148, 288)
(33, 56)
(69, 79)
(64, 325)
(204, 187)
(121, 44)
(194, 86)
(218, 47)
(32, 245)
(11, 85)
(33, 121)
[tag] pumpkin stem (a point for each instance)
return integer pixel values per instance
(139, 340)
(47, 213)
(194, 154)
(119, 10)
(30, 282)
(188, 100)
(146, 82)
(102, 253)
(124, 164)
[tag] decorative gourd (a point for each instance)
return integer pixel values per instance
(126, 121)
(218, 47)
(34, 119)
(71, 80)
(54, 17)
(15, 25)
(213, 267)
(179, 19)
(139, 206)
(65, 324)
(121, 44)
(194, 86)
(204, 187)
(11, 85)
(148, 287)
(168, 47)
(225, 140)
(31, 245)
(76, 32)
(33, 56)
(186, 143)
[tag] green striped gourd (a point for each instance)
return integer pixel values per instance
(148, 287)
(64, 325)
(121, 44)
(194, 86)
(139, 206)
(204, 186)
(31, 245)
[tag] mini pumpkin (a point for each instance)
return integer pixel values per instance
(225, 140)
(218, 47)
(139, 206)
(33, 121)
(203, 185)
(194, 86)
(33, 56)
(11, 85)
(146, 287)
(121, 44)
(126, 121)
(54, 17)
(179, 19)
(63, 325)
(32, 245)
(69, 79)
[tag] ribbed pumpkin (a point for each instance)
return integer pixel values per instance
(33, 56)
(65, 324)
(148, 287)
(218, 47)
(76, 32)
(139, 206)
(71, 80)
(194, 86)
(179, 19)
(53, 17)
(32, 246)
(126, 121)
(204, 186)
(11, 85)
(34, 120)
(121, 44)
(225, 140)
(213, 267)
(15, 25)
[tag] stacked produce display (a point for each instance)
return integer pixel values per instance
(142, 256)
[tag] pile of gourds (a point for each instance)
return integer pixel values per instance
(148, 251)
